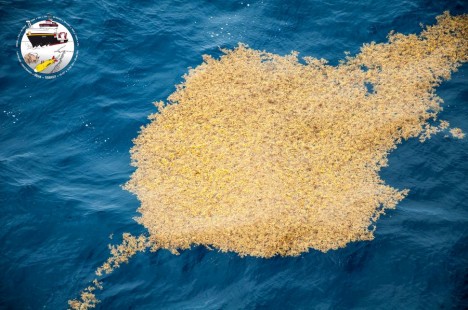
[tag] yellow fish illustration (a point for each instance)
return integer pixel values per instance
(43, 65)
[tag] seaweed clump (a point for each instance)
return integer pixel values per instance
(259, 154)
(262, 155)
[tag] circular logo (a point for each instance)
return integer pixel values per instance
(47, 47)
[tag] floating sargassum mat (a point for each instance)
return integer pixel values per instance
(263, 155)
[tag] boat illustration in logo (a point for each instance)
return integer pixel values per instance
(44, 64)
(46, 34)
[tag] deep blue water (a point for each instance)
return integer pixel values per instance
(64, 154)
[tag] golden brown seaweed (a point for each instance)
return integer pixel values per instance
(262, 155)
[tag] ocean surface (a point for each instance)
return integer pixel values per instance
(64, 155)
